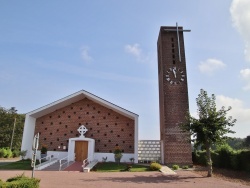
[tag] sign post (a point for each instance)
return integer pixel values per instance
(34, 148)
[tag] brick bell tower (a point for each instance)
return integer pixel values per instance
(173, 95)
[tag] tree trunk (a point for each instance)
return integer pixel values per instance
(209, 160)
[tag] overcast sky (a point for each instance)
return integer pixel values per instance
(51, 49)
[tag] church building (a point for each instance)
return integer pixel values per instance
(62, 124)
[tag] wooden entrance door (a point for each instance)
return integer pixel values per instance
(81, 150)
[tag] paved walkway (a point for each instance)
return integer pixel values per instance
(76, 166)
(167, 171)
(185, 179)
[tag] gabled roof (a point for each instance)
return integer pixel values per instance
(76, 97)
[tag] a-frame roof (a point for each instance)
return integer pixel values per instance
(76, 97)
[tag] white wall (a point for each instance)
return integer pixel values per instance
(110, 157)
(28, 135)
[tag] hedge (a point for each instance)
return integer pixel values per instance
(224, 158)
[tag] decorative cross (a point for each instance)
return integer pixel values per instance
(82, 130)
(177, 31)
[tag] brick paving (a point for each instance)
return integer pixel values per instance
(185, 179)
(76, 166)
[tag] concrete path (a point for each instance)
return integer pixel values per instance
(167, 171)
(185, 179)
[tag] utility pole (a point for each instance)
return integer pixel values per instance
(13, 131)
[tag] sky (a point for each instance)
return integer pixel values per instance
(51, 49)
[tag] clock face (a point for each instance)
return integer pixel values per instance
(175, 76)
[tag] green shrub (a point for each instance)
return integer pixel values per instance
(15, 153)
(244, 162)
(201, 157)
(234, 160)
(194, 157)
(20, 181)
(5, 153)
(2, 152)
(225, 157)
(155, 166)
(215, 158)
(224, 152)
(185, 167)
(8, 153)
(175, 167)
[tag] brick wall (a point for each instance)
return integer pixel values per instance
(173, 99)
(107, 127)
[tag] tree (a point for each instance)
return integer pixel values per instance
(7, 118)
(210, 127)
(247, 141)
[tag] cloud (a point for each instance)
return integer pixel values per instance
(85, 54)
(245, 75)
(136, 51)
(241, 18)
(238, 112)
(211, 65)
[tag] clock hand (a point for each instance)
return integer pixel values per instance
(174, 73)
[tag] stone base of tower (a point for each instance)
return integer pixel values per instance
(177, 150)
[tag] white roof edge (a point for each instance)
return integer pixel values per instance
(76, 97)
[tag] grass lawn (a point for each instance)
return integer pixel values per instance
(114, 167)
(18, 165)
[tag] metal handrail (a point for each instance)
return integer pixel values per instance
(61, 164)
(85, 162)
(49, 156)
